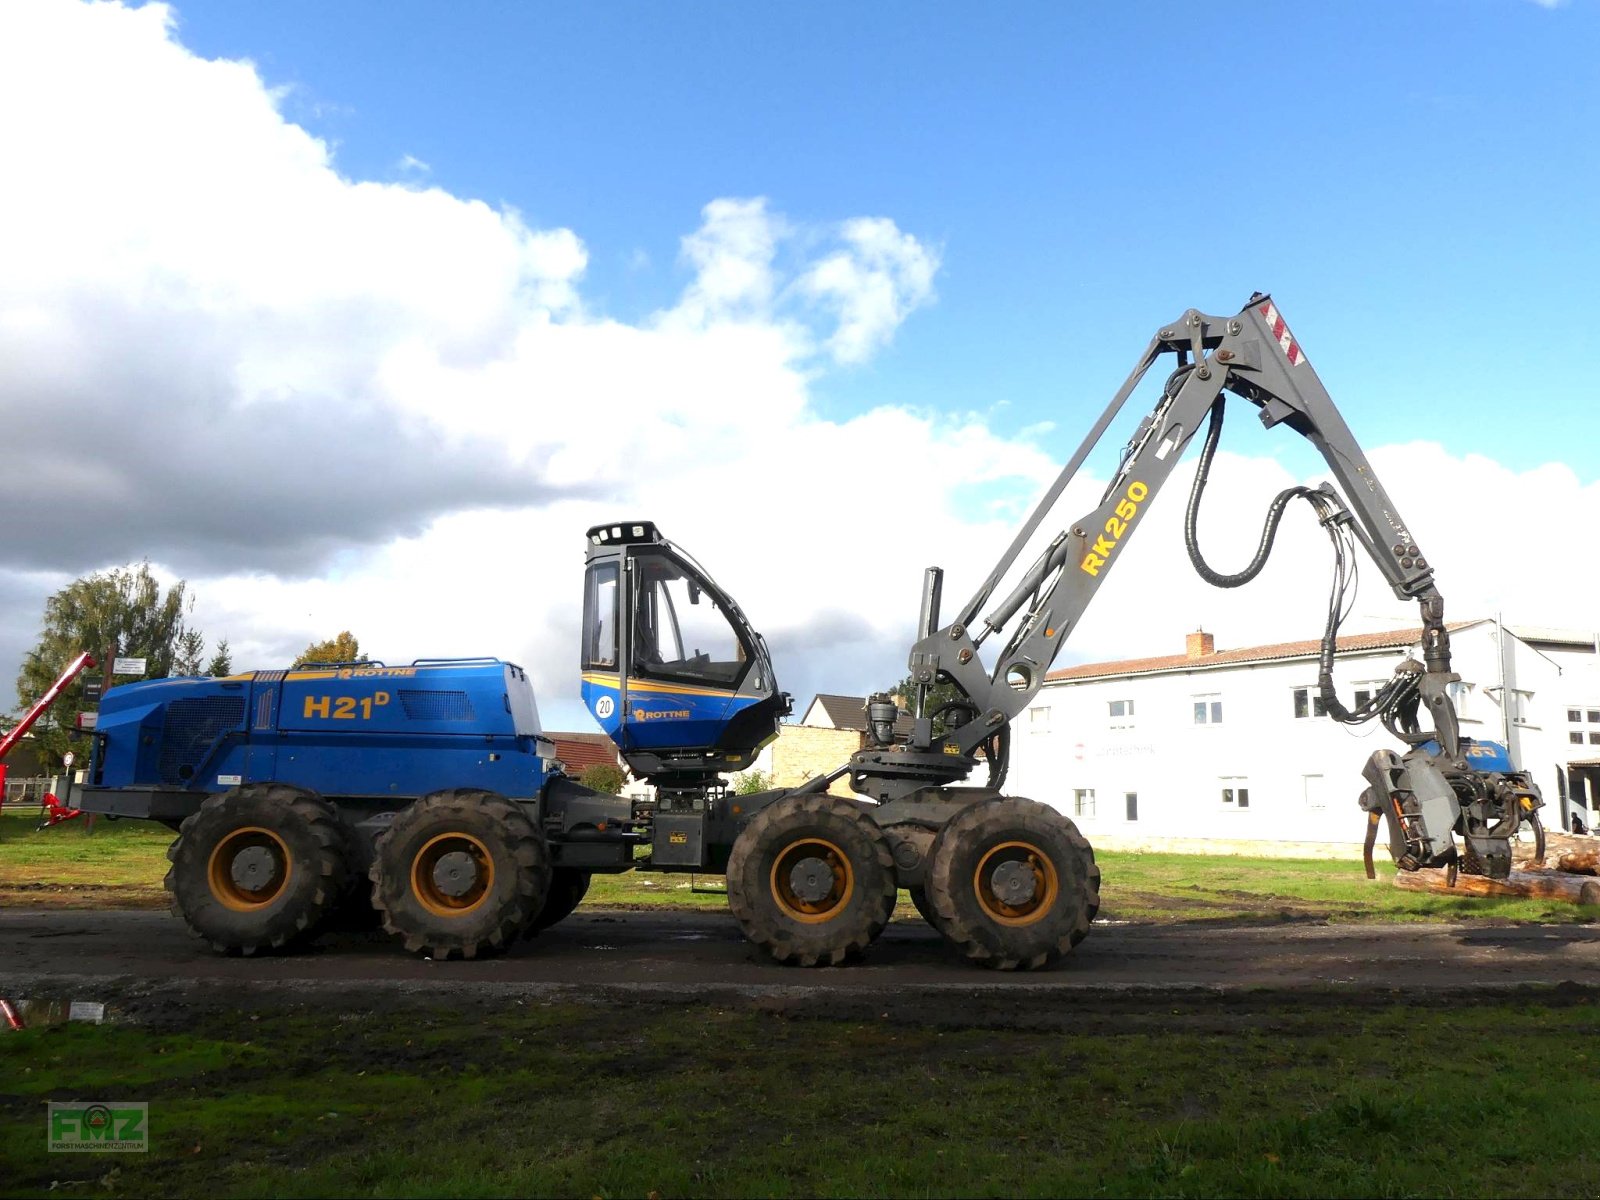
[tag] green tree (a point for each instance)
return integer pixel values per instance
(752, 782)
(190, 650)
(604, 777)
(905, 694)
(342, 649)
(222, 661)
(118, 612)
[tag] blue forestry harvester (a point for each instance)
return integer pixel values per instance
(427, 794)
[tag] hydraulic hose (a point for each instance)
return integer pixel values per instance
(1332, 518)
(998, 751)
(996, 747)
(1191, 519)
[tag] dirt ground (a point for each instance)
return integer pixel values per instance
(145, 962)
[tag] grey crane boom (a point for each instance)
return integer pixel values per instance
(1443, 785)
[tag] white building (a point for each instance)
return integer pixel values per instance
(1231, 745)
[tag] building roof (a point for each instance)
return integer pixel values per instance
(1544, 636)
(1395, 639)
(850, 712)
(580, 751)
(843, 712)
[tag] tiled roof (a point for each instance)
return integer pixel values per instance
(850, 712)
(845, 712)
(1391, 640)
(580, 751)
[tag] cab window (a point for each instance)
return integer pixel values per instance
(680, 631)
(600, 617)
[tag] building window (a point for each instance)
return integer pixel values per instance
(1121, 713)
(1131, 801)
(1235, 791)
(1366, 690)
(1316, 796)
(1083, 802)
(1308, 703)
(1208, 709)
(1039, 720)
(1521, 706)
(1460, 696)
(1579, 717)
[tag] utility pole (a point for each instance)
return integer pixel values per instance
(1506, 696)
(108, 677)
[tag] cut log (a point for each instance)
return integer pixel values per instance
(1579, 862)
(1577, 853)
(1535, 885)
(1557, 842)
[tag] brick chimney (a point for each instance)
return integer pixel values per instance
(1199, 644)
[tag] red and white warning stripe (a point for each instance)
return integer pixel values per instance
(1280, 330)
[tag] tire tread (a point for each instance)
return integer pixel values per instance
(766, 927)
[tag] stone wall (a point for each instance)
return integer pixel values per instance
(803, 752)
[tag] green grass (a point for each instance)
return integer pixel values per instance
(1166, 887)
(1487, 1099)
(123, 862)
(120, 863)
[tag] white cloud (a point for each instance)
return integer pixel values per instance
(295, 388)
(334, 403)
(880, 276)
(732, 255)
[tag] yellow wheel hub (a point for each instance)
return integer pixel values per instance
(812, 881)
(249, 869)
(452, 874)
(1016, 883)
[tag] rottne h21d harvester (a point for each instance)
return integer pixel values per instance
(428, 794)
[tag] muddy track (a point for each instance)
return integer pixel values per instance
(697, 954)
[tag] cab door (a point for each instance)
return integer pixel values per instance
(602, 685)
(686, 656)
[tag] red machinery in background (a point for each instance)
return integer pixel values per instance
(53, 811)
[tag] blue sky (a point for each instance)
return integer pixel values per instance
(356, 315)
(1415, 182)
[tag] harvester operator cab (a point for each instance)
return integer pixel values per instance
(672, 670)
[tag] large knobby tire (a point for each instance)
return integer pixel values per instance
(811, 880)
(568, 887)
(460, 873)
(1013, 883)
(258, 868)
(1091, 874)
